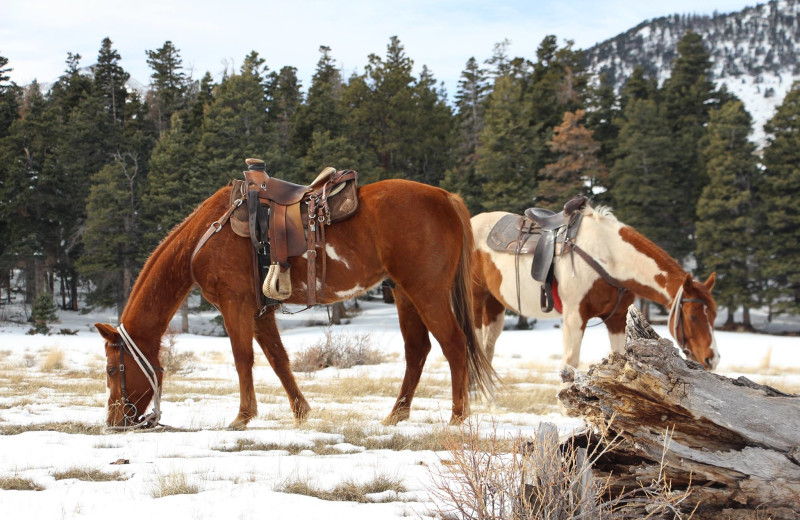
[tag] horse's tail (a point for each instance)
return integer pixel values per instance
(482, 376)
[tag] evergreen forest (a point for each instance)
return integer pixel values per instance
(94, 174)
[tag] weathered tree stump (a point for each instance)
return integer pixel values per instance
(734, 444)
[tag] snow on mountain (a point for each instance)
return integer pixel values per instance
(754, 53)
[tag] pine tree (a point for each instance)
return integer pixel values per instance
(43, 312)
(687, 96)
(29, 195)
(433, 132)
(602, 118)
(381, 114)
(727, 236)
(470, 120)
(109, 81)
(322, 111)
(113, 233)
(169, 87)
(236, 125)
(577, 171)
(9, 98)
(779, 196)
(640, 178)
(400, 122)
(283, 100)
(506, 155)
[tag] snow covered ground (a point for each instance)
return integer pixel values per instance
(243, 474)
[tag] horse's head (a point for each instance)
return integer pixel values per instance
(691, 321)
(130, 392)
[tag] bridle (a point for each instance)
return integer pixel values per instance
(677, 329)
(129, 411)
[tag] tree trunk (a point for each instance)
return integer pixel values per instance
(746, 318)
(185, 316)
(337, 312)
(733, 444)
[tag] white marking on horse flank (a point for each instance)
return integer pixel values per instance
(350, 293)
(333, 255)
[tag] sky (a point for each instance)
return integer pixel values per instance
(35, 35)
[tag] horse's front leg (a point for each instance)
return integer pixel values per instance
(268, 337)
(417, 346)
(238, 319)
(573, 326)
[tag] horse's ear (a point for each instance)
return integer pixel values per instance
(108, 332)
(687, 282)
(711, 279)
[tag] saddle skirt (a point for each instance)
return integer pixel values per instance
(513, 234)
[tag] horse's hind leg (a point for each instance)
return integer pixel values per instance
(268, 337)
(433, 308)
(417, 346)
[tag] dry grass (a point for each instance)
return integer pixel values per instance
(252, 445)
(346, 491)
(65, 427)
(19, 484)
(175, 483)
(534, 399)
(53, 360)
(89, 475)
(337, 350)
(175, 362)
(519, 479)
(348, 388)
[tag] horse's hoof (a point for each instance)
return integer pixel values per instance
(457, 420)
(301, 411)
(396, 416)
(240, 423)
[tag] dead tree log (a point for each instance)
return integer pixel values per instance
(734, 444)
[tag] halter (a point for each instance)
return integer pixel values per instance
(129, 410)
(676, 329)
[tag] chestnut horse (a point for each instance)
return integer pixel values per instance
(631, 262)
(415, 234)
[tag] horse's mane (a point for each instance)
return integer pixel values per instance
(601, 212)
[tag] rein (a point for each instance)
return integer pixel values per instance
(571, 246)
(129, 410)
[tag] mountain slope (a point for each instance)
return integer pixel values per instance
(754, 52)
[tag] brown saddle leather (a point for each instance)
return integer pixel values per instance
(297, 214)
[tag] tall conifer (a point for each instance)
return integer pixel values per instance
(779, 195)
(727, 236)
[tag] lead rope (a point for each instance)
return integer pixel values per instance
(150, 420)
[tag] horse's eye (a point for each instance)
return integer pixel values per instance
(111, 370)
(693, 317)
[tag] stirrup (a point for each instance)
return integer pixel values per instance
(277, 284)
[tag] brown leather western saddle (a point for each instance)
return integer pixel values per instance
(284, 220)
(538, 232)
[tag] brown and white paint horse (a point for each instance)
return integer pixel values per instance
(417, 235)
(641, 268)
